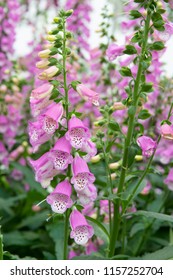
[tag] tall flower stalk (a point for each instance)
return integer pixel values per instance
(132, 115)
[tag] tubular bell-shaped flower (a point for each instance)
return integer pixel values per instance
(38, 105)
(89, 147)
(37, 135)
(81, 174)
(147, 145)
(51, 117)
(169, 180)
(60, 154)
(114, 51)
(44, 170)
(42, 91)
(167, 131)
(60, 199)
(88, 94)
(88, 195)
(77, 132)
(81, 230)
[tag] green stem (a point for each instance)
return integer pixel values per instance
(65, 72)
(147, 167)
(66, 236)
(128, 140)
(67, 118)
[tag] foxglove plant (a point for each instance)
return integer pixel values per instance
(54, 120)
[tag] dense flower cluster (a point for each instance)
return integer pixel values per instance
(9, 17)
(69, 137)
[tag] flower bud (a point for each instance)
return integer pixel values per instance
(51, 38)
(69, 13)
(57, 19)
(113, 176)
(138, 157)
(96, 159)
(44, 53)
(115, 165)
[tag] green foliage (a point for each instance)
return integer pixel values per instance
(126, 72)
(144, 114)
(157, 46)
(135, 14)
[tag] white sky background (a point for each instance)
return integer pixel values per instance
(25, 35)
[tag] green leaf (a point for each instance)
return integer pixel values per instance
(130, 50)
(131, 186)
(144, 114)
(55, 94)
(136, 38)
(132, 152)
(155, 215)
(135, 14)
(126, 72)
(56, 232)
(34, 221)
(53, 51)
(131, 111)
(20, 238)
(99, 229)
(28, 176)
(147, 87)
(114, 126)
(52, 61)
(157, 46)
(163, 254)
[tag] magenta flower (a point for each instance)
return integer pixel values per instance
(169, 180)
(90, 148)
(147, 145)
(114, 51)
(3, 152)
(81, 174)
(37, 135)
(60, 199)
(3, 123)
(88, 195)
(51, 117)
(60, 154)
(167, 131)
(88, 94)
(38, 105)
(44, 170)
(42, 91)
(77, 132)
(81, 230)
